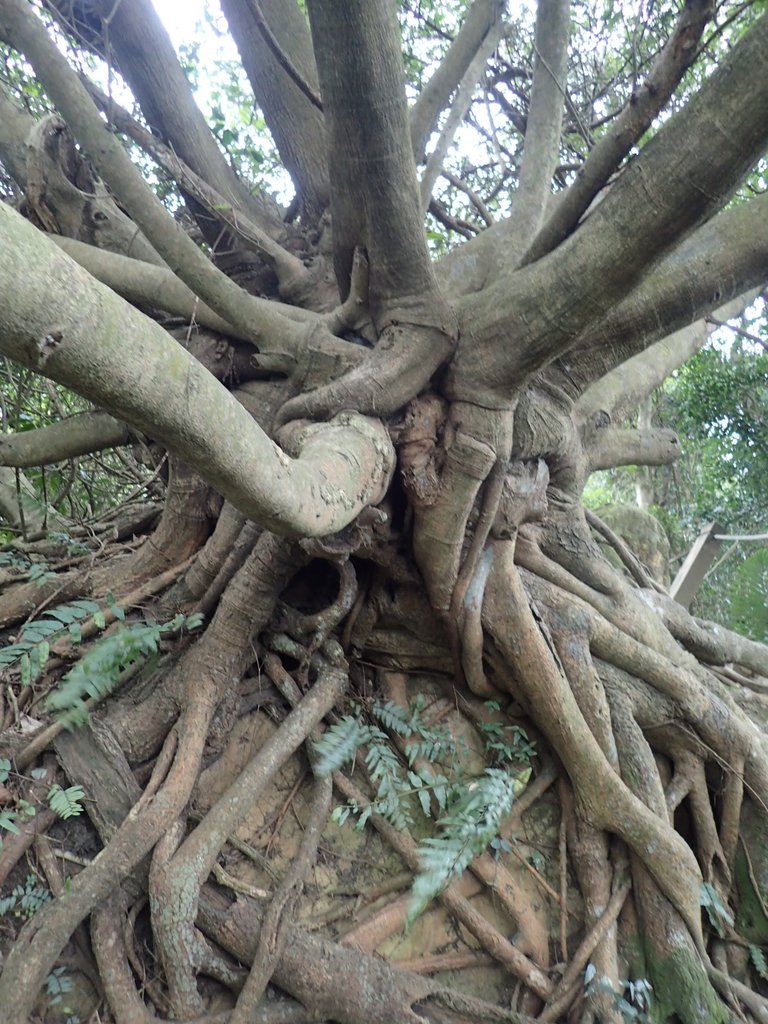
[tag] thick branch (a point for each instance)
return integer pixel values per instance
(375, 206)
(147, 59)
(290, 271)
(613, 446)
(79, 435)
(545, 116)
(375, 198)
(687, 170)
(62, 192)
(144, 284)
(261, 28)
(20, 26)
(619, 392)
(15, 127)
(159, 388)
(642, 107)
(436, 94)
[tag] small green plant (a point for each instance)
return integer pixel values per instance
(32, 647)
(634, 1004)
(757, 956)
(40, 574)
(719, 915)
(98, 672)
(66, 802)
(506, 742)
(24, 900)
(470, 809)
(395, 782)
(56, 985)
(470, 824)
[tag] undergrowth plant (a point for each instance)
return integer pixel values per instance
(98, 672)
(468, 809)
(65, 803)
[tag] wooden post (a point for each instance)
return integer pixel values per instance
(694, 568)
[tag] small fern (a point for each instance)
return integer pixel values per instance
(719, 915)
(472, 821)
(25, 899)
(98, 672)
(66, 802)
(32, 648)
(757, 956)
(339, 744)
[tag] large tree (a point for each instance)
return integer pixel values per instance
(377, 441)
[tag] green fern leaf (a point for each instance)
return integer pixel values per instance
(472, 822)
(66, 802)
(339, 744)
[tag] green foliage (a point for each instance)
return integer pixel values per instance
(472, 820)
(57, 984)
(757, 956)
(716, 403)
(32, 647)
(749, 603)
(66, 802)
(470, 809)
(506, 742)
(78, 489)
(634, 1005)
(98, 672)
(24, 900)
(718, 914)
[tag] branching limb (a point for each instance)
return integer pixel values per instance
(644, 104)
(112, 959)
(602, 797)
(160, 85)
(41, 940)
(145, 285)
(375, 206)
(291, 273)
(20, 26)
(79, 435)
(351, 987)
(687, 170)
(176, 884)
(709, 641)
(151, 387)
(481, 18)
(275, 925)
(459, 108)
(631, 562)
(282, 57)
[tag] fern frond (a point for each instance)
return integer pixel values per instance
(472, 822)
(757, 956)
(393, 717)
(339, 744)
(66, 802)
(98, 671)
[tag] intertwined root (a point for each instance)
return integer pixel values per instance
(658, 794)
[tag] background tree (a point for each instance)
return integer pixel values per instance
(374, 413)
